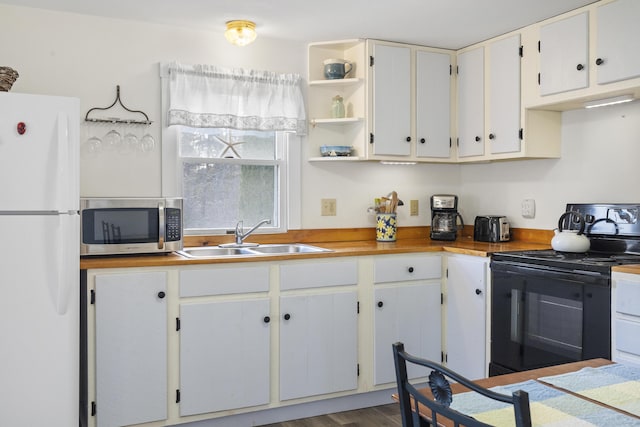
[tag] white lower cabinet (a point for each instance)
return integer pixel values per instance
(410, 314)
(224, 355)
(407, 308)
(625, 318)
(130, 348)
(167, 346)
(224, 338)
(318, 328)
(466, 314)
(318, 344)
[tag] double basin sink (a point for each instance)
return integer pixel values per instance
(250, 251)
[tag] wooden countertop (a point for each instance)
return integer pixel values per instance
(463, 245)
(631, 269)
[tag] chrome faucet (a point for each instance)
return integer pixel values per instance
(240, 235)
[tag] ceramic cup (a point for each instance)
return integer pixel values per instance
(336, 68)
(386, 227)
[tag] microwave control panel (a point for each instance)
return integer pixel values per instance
(174, 225)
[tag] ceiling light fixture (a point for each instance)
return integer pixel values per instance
(240, 32)
(608, 101)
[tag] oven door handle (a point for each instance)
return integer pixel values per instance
(516, 315)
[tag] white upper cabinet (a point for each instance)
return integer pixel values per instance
(564, 55)
(588, 54)
(618, 41)
(433, 104)
(504, 95)
(471, 103)
(391, 100)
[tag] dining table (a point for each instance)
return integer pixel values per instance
(595, 392)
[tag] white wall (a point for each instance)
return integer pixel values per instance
(599, 163)
(86, 57)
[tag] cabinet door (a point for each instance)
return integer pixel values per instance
(471, 103)
(318, 344)
(617, 41)
(131, 348)
(466, 316)
(224, 355)
(564, 55)
(433, 104)
(410, 314)
(504, 102)
(391, 100)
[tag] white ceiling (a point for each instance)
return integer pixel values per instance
(437, 23)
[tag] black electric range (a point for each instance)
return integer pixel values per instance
(550, 307)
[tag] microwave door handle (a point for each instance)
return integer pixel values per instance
(161, 225)
(516, 316)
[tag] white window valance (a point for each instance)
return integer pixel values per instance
(211, 96)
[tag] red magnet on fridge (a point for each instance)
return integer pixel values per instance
(22, 128)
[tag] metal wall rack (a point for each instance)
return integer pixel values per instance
(116, 119)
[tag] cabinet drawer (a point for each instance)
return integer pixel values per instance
(224, 281)
(318, 274)
(627, 334)
(412, 267)
(628, 297)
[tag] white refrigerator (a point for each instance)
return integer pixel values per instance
(39, 260)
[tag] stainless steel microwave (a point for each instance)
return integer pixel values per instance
(117, 226)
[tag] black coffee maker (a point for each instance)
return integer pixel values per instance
(444, 217)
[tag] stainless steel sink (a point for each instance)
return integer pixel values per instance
(288, 249)
(215, 251)
(276, 249)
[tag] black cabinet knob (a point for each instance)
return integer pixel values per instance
(410, 269)
(492, 136)
(422, 140)
(577, 295)
(161, 294)
(478, 291)
(408, 139)
(477, 139)
(287, 316)
(380, 303)
(266, 319)
(599, 61)
(580, 67)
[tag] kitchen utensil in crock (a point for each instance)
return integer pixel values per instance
(570, 240)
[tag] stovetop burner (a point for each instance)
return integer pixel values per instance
(614, 233)
(589, 262)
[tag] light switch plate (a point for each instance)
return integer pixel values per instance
(528, 208)
(413, 208)
(328, 207)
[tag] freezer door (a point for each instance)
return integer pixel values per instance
(39, 154)
(39, 320)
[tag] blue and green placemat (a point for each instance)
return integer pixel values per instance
(616, 385)
(549, 408)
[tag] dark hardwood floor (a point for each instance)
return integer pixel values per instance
(378, 416)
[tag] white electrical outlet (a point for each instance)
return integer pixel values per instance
(528, 208)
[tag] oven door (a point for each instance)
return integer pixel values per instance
(542, 317)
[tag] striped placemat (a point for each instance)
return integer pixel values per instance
(616, 385)
(549, 408)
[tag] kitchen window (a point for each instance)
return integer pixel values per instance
(229, 175)
(231, 148)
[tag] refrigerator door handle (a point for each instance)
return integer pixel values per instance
(65, 183)
(68, 260)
